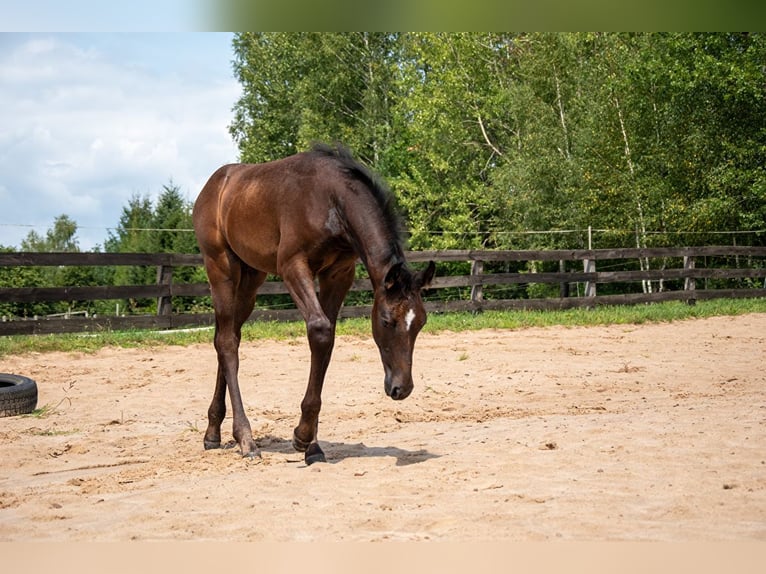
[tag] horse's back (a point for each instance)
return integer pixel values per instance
(251, 208)
(258, 184)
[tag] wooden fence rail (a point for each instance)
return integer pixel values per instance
(684, 266)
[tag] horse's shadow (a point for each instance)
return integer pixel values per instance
(338, 451)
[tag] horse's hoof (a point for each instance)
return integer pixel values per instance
(299, 444)
(211, 444)
(253, 454)
(250, 450)
(314, 454)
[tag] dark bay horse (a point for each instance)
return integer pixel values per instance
(307, 218)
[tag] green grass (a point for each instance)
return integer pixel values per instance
(41, 412)
(52, 432)
(636, 314)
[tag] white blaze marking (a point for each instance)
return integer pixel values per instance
(408, 318)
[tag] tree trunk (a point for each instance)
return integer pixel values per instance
(641, 225)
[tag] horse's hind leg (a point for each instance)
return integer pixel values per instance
(233, 288)
(217, 411)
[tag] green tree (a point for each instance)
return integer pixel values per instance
(133, 235)
(541, 175)
(717, 105)
(304, 87)
(448, 122)
(658, 138)
(15, 277)
(164, 227)
(61, 237)
(172, 222)
(132, 232)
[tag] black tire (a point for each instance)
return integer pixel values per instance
(18, 395)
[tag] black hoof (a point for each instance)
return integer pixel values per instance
(314, 454)
(210, 445)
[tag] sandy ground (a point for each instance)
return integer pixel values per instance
(651, 432)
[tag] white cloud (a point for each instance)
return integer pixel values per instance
(82, 129)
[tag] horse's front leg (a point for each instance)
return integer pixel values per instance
(321, 336)
(321, 314)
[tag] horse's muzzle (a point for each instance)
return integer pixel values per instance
(397, 391)
(400, 393)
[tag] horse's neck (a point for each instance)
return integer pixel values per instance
(374, 242)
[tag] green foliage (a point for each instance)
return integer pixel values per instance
(143, 228)
(61, 237)
(164, 227)
(305, 87)
(16, 277)
(654, 139)
(489, 140)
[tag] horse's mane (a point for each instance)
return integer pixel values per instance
(377, 187)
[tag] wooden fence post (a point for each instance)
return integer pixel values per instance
(164, 277)
(564, 285)
(477, 289)
(589, 266)
(690, 283)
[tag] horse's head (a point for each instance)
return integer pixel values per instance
(398, 315)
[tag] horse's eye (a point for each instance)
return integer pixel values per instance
(388, 323)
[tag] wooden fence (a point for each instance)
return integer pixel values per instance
(653, 275)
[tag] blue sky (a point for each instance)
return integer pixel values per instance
(104, 15)
(88, 120)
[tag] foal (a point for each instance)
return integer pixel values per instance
(308, 218)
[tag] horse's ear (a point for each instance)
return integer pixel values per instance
(394, 276)
(423, 278)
